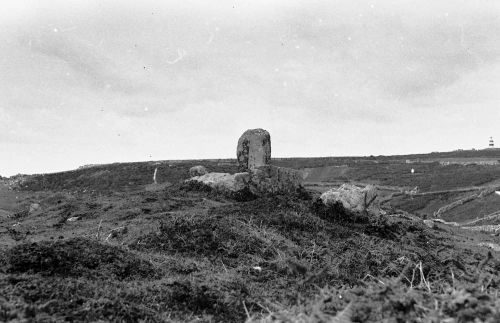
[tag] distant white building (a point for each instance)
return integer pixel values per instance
(492, 143)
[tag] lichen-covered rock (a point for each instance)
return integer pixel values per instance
(224, 182)
(272, 179)
(254, 149)
(197, 171)
(353, 198)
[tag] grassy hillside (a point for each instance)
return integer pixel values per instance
(383, 170)
(120, 176)
(390, 171)
(304, 162)
(427, 176)
(128, 251)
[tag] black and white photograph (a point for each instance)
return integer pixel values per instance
(279, 161)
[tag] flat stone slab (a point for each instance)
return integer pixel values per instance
(224, 181)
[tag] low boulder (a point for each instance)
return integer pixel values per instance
(431, 224)
(224, 182)
(197, 171)
(34, 207)
(353, 198)
(259, 181)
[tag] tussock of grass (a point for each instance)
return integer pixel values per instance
(77, 299)
(76, 257)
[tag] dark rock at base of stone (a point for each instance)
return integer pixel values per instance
(272, 179)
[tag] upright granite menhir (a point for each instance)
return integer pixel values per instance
(254, 149)
(256, 174)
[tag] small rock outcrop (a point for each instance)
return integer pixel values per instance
(254, 149)
(353, 198)
(197, 171)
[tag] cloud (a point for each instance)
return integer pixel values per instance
(129, 78)
(304, 54)
(84, 59)
(402, 57)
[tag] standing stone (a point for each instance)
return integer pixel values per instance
(254, 149)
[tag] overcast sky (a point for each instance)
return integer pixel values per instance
(102, 81)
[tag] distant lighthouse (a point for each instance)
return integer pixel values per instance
(492, 144)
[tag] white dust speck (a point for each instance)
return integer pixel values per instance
(211, 38)
(181, 53)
